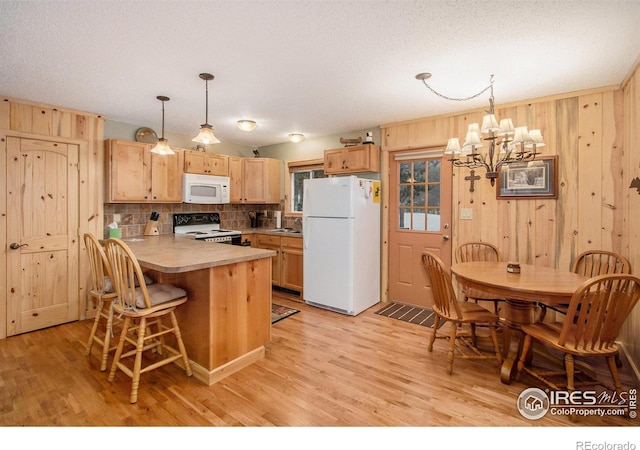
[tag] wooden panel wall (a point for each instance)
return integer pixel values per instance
(630, 199)
(27, 119)
(596, 137)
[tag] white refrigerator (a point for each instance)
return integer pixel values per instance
(341, 222)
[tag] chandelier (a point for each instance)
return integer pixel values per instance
(506, 144)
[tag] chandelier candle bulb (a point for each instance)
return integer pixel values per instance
(506, 127)
(453, 146)
(536, 138)
(472, 140)
(522, 136)
(490, 124)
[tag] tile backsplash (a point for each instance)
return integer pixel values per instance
(134, 216)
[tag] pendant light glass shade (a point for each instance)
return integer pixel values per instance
(162, 147)
(206, 136)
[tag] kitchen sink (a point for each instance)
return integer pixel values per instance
(285, 230)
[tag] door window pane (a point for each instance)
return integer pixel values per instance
(433, 219)
(418, 171)
(405, 219)
(405, 172)
(434, 195)
(405, 195)
(434, 171)
(419, 195)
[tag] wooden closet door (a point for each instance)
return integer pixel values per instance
(42, 234)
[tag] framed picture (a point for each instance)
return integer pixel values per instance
(533, 179)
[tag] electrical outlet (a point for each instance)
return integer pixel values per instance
(117, 218)
(466, 214)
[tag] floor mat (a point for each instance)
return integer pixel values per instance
(410, 313)
(279, 312)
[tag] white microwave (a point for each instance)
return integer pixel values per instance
(205, 189)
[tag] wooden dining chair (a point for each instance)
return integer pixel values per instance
(102, 292)
(599, 262)
(145, 310)
(447, 307)
(478, 251)
(597, 310)
(590, 264)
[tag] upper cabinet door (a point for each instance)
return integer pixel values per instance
(236, 179)
(261, 180)
(254, 180)
(135, 175)
(128, 171)
(166, 177)
(206, 163)
(359, 158)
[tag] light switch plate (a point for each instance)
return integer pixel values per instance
(466, 213)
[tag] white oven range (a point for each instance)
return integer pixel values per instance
(205, 227)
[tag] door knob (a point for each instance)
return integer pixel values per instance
(15, 245)
(445, 237)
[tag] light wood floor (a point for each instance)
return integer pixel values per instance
(320, 369)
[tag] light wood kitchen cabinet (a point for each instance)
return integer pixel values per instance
(269, 242)
(206, 163)
(287, 265)
(251, 237)
(358, 158)
(291, 263)
(254, 180)
(135, 175)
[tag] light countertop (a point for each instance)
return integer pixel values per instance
(171, 253)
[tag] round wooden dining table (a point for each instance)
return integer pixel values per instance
(521, 291)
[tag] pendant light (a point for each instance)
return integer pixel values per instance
(206, 136)
(162, 147)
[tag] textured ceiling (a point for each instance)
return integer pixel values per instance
(314, 67)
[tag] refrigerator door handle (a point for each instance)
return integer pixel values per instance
(305, 218)
(307, 231)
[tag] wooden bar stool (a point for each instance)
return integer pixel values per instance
(102, 292)
(143, 308)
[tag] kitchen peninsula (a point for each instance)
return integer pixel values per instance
(226, 321)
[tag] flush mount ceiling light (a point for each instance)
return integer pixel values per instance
(246, 125)
(162, 147)
(296, 137)
(518, 144)
(206, 136)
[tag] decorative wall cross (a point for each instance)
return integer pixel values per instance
(473, 177)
